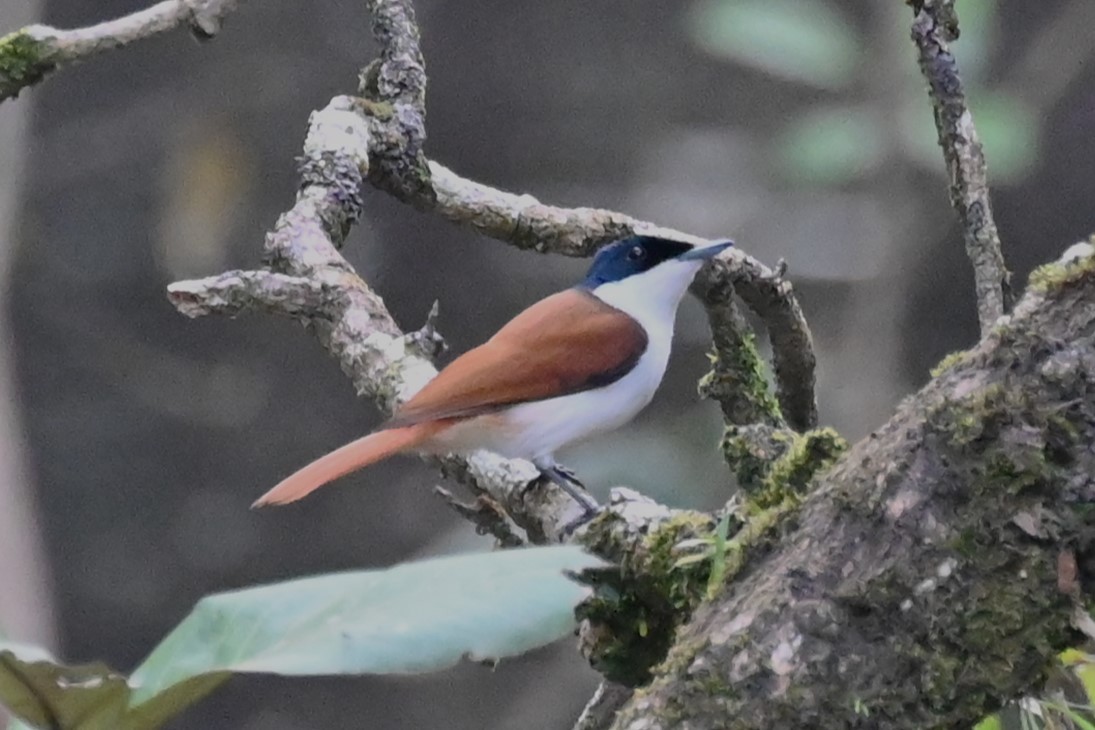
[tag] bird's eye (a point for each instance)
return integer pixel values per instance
(636, 253)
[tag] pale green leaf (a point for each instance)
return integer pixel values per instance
(416, 617)
(992, 722)
(804, 40)
(831, 145)
(979, 23)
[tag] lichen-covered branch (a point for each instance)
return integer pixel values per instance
(395, 84)
(234, 292)
(737, 380)
(30, 54)
(525, 222)
(919, 584)
(487, 515)
(311, 279)
(394, 90)
(934, 26)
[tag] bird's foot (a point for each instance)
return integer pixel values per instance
(567, 474)
(566, 480)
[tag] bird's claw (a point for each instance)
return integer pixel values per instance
(566, 480)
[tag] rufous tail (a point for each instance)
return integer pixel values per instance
(351, 457)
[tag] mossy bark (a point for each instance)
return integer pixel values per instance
(918, 586)
(24, 61)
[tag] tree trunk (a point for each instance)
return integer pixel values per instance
(932, 573)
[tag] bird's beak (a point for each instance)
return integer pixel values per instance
(703, 253)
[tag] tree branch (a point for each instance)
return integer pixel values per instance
(29, 55)
(234, 292)
(313, 281)
(934, 26)
(394, 91)
(526, 223)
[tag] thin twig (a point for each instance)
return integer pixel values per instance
(395, 89)
(344, 141)
(353, 323)
(487, 515)
(30, 54)
(525, 222)
(234, 292)
(934, 26)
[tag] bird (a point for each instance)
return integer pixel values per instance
(580, 362)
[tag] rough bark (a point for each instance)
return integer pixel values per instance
(919, 585)
(30, 54)
(934, 26)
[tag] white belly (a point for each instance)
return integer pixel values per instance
(536, 430)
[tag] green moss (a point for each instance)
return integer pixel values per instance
(948, 362)
(23, 62)
(1055, 274)
(969, 419)
(381, 110)
(751, 450)
(633, 622)
(738, 380)
(788, 476)
(681, 585)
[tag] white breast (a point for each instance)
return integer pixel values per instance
(536, 430)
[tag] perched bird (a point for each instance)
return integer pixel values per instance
(580, 362)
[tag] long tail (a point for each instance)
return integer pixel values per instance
(351, 457)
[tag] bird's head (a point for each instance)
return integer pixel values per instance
(637, 255)
(654, 272)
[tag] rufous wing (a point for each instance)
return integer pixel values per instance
(566, 343)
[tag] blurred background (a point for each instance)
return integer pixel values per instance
(133, 440)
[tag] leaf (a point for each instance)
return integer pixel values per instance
(831, 146)
(1077, 719)
(992, 722)
(34, 686)
(1010, 133)
(979, 23)
(415, 617)
(718, 559)
(802, 40)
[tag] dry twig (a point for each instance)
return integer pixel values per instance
(30, 54)
(378, 137)
(934, 26)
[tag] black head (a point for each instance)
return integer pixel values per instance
(635, 255)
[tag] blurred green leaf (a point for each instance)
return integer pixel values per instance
(1010, 133)
(979, 26)
(803, 40)
(992, 722)
(1077, 719)
(831, 146)
(416, 617)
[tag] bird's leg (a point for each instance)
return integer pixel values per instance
(569, 483)
(568, 474)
